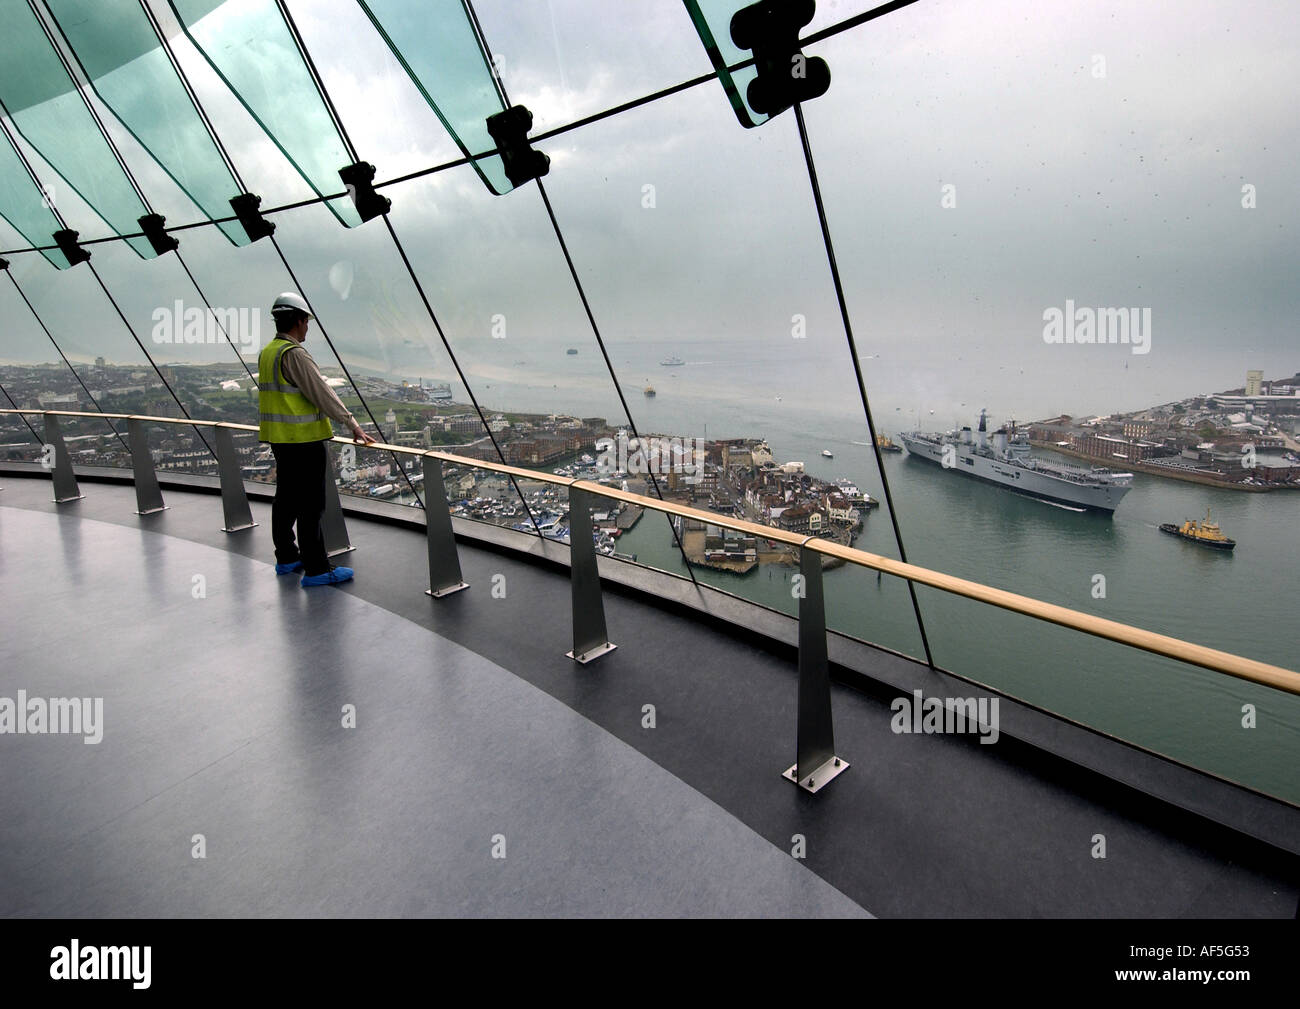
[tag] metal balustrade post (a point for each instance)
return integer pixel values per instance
(234, 499)
(444, 560)
(65, 481)
(148, 495)
(590, 639)
(815, 763)
(333, 526)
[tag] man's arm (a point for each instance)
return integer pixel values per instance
(300, 369)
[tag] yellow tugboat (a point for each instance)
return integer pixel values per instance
(885, 445)
(1204, 532)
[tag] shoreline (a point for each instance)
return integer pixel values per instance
(1173, 474)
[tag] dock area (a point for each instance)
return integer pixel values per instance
(693, 546)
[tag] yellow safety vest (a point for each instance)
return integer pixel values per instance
(284, 413)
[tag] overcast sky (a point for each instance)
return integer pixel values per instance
(1097, 152)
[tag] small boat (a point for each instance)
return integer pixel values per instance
(572, 350)
(1204, 532)
(827, 453)
(885, 445)
(672, 362)
(649, 390)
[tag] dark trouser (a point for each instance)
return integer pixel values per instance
(299, 499)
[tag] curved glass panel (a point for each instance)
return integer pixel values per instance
(249, 45)
(565, 61)
(437, 46)
(25, 207)
(61, 128)
(712, 19)
(148, 97)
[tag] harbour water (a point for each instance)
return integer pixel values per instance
(1122, 567)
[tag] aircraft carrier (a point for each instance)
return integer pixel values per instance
(1006, 462)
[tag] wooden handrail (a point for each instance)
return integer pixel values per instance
(1135, 637)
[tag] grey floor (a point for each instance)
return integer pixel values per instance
(223, 718)
(472, 723)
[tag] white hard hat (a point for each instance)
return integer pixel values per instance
(291, 300)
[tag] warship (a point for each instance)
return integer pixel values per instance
(1005, 461)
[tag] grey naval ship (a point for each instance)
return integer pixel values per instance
(1006, 461)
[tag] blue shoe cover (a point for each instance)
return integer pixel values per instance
(328, 578)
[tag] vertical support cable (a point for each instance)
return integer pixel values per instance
(126, 171)
(459, 371)
(582, 294)
(339, 357)
(591, 318)
(140, 343)
(212, 314)
(225, 157)
(67, 68)
(45, 328)
(352, 153)
(857, 368)
(99, 122)
(189, 92)
(483, 44)
(22, 416)
(317, 79)
(234, 171)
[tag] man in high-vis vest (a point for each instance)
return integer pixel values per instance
(294, 407)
